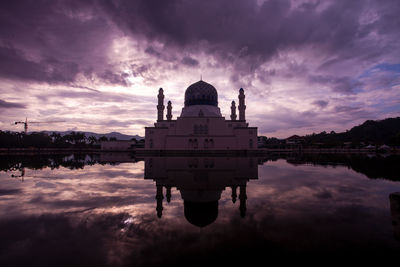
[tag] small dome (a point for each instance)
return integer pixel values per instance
(201, 93)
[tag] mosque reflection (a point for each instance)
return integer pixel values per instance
(201, 181)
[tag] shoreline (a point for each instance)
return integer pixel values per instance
(143, 152)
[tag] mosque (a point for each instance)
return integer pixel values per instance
(200, 182)
(201, 125)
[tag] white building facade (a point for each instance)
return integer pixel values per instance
(117, 145)
(201, 125)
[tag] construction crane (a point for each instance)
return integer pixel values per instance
(25, 123)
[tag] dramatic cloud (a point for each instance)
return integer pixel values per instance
(16, 65)
(338, 84)
(5, 104)
(320, 103)
(190, 61)
(334, 57)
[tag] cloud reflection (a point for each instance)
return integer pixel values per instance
(106, 214)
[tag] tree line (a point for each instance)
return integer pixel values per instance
(54, 140)
(40, 161)
(371, 132)
(377, 167)
(376, 133)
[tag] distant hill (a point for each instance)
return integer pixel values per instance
(377, 132)
(118, 136)
(381, 130)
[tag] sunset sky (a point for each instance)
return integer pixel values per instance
(306, 66)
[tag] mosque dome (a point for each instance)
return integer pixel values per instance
(201, 214)
(201, 93)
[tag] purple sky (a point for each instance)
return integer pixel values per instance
(306, 66)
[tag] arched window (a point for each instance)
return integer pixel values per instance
(211, 143)
(190, 143)
(151, 143)
(206, 143)
(250, 143)
(195, 144)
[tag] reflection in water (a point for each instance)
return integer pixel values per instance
(99, 210)
(373, 166)
(201, 182)
(395, 212)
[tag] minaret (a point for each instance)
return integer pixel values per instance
(159, 197)
(168, 195)
(160, 106)
(234, 196)
(242, 106)
(242, 197)
(233, 111)
(169, 111)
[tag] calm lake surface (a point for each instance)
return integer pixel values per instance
(115, 210)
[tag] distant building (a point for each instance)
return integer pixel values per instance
(117, 145)
(111, 156)
(295, 140)
(201, 125)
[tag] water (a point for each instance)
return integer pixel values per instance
(115, 210)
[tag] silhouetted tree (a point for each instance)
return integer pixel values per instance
(103, 138)
(39, 140)
(79, 138)
(92, 139)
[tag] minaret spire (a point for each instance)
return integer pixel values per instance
(234, 195)
(168, 194)
(233, 111)
(169, 111)
(242, 106)
(242, 198)
(159, 197)
(160, 106)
